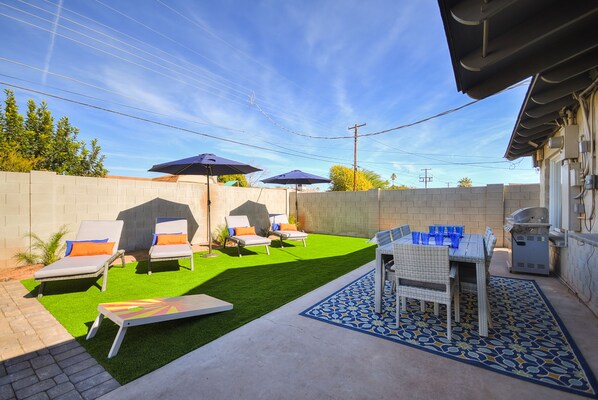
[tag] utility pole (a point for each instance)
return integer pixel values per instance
(425, 179)
(355, 155)
(448, 184)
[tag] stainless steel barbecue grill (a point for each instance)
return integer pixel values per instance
(529, 240)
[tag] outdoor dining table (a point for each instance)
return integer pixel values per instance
(471, 250)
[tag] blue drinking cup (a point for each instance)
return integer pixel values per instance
(415, 237)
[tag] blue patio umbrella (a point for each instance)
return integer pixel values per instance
(208, 165)
(296, 178)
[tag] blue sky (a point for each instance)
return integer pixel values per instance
(265, 74)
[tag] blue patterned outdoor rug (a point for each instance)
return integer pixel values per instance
(528, 341)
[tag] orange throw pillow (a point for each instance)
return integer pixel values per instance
(91, 249)
(172, 239)
(250, 230)
(288, 227)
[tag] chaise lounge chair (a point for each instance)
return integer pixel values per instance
(277, 223)
(244, 237)
(170, 242)
(84, 258)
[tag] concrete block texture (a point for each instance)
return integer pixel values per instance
(41, 202)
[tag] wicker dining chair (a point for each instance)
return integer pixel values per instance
(424, 273)
(384, 238)
(405, 230)
(396, 233)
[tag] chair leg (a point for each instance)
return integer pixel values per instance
(304, 245)
(281, 244)
(448, 321)
(422, 306)
(399, 306)
(149, 266)
(403, 303)
(436, 309)
(267, 250)
(122, 259)
(239, 249)
(40, 290)
(192, 263)
(489, 311)
(105, 280)
(457, 305)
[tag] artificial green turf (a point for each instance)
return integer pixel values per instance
(255, 283)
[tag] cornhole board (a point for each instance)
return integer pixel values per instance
(142, 312)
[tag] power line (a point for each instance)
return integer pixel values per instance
(444, 162)
(203, 70)
(239, 96)
(123, 105)
(421, 121)
(157, 122)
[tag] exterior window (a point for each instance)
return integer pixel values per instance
(555, 198)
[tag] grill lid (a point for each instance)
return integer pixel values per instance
(529, 215)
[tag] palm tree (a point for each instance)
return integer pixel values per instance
(45, 252)
(465, 182)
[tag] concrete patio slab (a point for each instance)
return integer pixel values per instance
(286, 356)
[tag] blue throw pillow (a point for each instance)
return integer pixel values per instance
(231, 231)
(69, 244)
(275, 227)
(155, 237)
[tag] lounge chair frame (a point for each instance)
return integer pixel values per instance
(241, 221)
(286, 235)
(170, 225)
(84, 234)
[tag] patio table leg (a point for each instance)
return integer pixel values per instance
(117, 341)
(378, 283)
(94, 328)
(482, 298)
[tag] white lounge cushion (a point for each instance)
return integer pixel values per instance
(251, 240)
(290, 234)
(171, 250)
(70, 266)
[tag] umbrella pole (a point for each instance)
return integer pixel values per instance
(209, 253)
(297, 203)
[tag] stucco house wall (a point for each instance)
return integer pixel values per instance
(574, 254)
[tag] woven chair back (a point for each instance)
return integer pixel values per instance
(405, 230)
(422, 263)
(383, 238)
(396, 233)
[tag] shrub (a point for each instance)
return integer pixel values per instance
(43, 252)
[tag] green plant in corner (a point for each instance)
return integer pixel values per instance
(44, 252)
(221, 234)
(293, 220)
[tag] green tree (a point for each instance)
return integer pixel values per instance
(375, 179)
(35, 142)
(12, 121)
(240, 178)
(400, 187)
(342, 179)
(465, 182)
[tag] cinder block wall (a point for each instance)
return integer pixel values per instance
(365, 213)
(41, 202)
